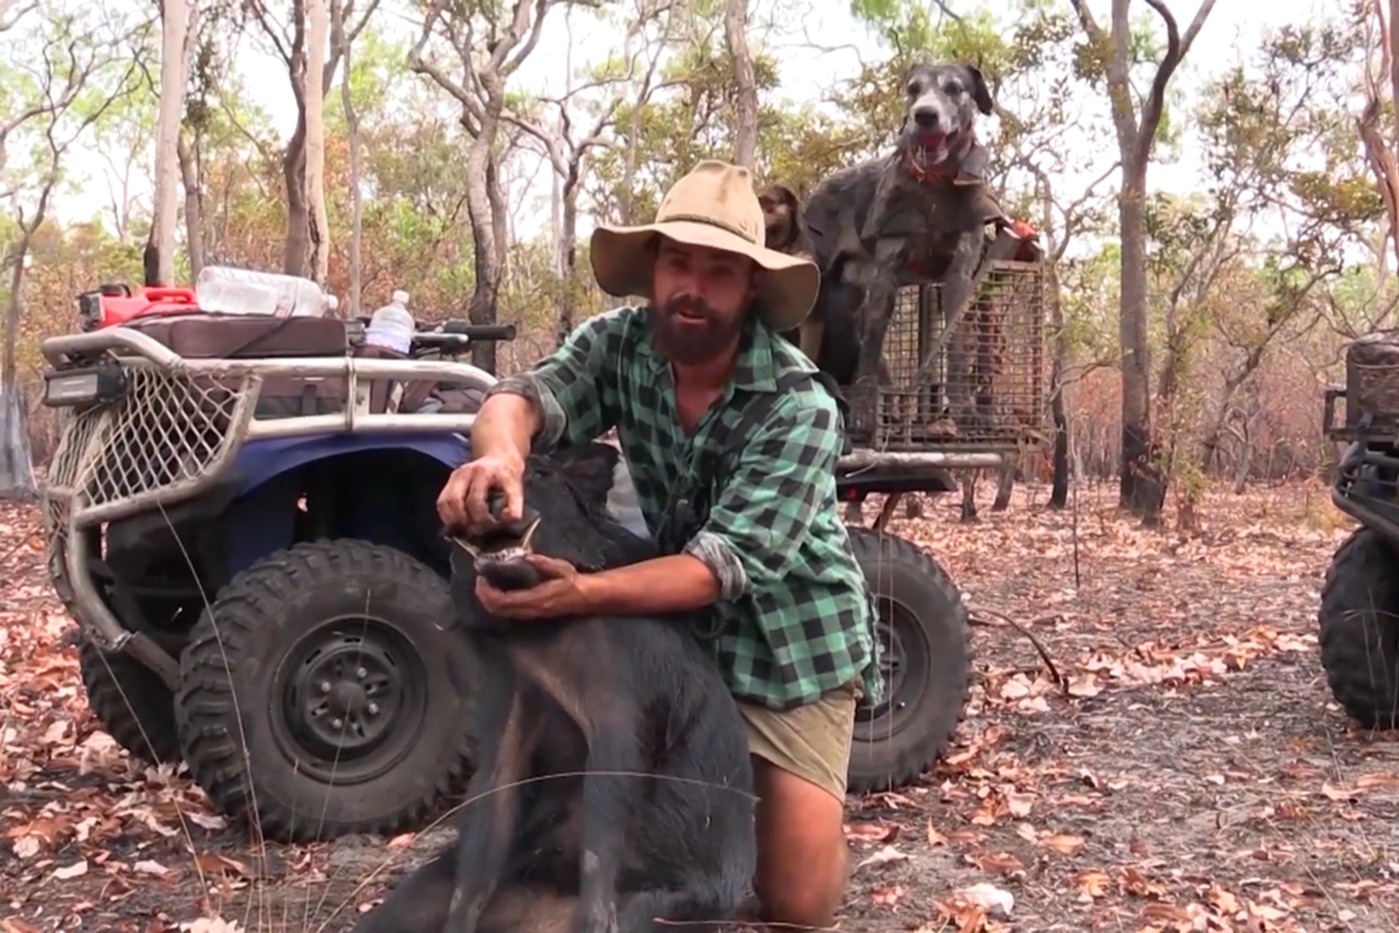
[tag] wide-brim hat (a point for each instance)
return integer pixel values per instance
(714, 206)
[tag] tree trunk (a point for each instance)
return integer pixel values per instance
(968, 480)
(9, 374)
(628, 205)
(480, 210)
(16, 467)
(356, 197)
(318, 26)
(1243, 460)
(1059, 487)
(194, 208)
(1059, 353)
(160, 245)
(500, 219)
(1210, 447)
(298, 243)
(16, 456)
(1005, 486)
(568, 246)
(746, 97)
(1141, 489)
(1390, 181)
(1384, 166)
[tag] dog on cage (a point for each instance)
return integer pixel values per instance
(916, 214)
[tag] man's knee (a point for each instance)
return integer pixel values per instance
(804, 899)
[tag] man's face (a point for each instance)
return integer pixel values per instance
(698, 298)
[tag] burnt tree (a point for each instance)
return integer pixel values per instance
(1142, 484)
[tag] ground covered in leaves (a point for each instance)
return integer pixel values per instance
(1186, 770)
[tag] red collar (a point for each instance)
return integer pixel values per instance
(948, 169)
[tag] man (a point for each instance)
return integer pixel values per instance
(770, 557)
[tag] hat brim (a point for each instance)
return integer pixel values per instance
(622, 265)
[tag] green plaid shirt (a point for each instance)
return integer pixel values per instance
(799, 614)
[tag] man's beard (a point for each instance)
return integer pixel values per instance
(689, 342)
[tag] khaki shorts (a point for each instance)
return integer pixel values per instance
(812, 741)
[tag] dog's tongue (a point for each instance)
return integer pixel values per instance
(932, 141)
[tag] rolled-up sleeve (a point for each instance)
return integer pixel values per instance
(767, 505)
(572, 388)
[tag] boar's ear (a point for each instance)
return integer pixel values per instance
(590, 469)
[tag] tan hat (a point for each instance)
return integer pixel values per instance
(714, 205)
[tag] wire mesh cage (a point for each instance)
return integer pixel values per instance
(982, 384)
(168, 429)
(1372, 388)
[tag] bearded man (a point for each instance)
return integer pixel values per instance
(699, 363)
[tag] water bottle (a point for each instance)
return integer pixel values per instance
(227, 290)
(392, 326)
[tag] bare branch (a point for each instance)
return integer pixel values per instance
(279, 39)
(10, 17)
(506, 66)
(1176, 47)
(470, 103)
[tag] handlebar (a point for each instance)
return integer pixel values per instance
(451, 343)
(479, 331)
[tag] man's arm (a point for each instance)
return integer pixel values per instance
(504, 427)
(568, 394)
(753, 528)
(674, 583)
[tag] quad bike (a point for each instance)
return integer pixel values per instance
(241, 516)
(1359, 614)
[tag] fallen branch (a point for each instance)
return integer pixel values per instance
(976, 617)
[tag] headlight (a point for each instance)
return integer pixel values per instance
(76, 388)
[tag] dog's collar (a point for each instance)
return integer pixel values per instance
(948, 170)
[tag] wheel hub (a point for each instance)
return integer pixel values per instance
(892, 667)
(349, 699)
(904, 672)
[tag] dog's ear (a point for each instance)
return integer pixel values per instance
(784, 196)
(981, 93)
(775, 195)
(781, 216)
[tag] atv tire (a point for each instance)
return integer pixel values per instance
(132, 703)
(1359, 621)
(925, 661)
(353, 702)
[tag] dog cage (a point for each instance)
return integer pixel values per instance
(982, 385)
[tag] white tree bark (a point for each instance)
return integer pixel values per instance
(746, 131)
(160, 249)
(317, 33)
(356, 196)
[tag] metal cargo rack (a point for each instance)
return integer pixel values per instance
(1370, 393)
(983, 387)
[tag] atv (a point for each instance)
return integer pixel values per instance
(1359, 614)
(241, 517)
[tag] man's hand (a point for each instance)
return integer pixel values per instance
(462, 502)
(561, 593)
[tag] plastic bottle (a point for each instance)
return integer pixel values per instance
(392, 326)
(243, 291)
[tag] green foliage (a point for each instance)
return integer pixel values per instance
(906, 27)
